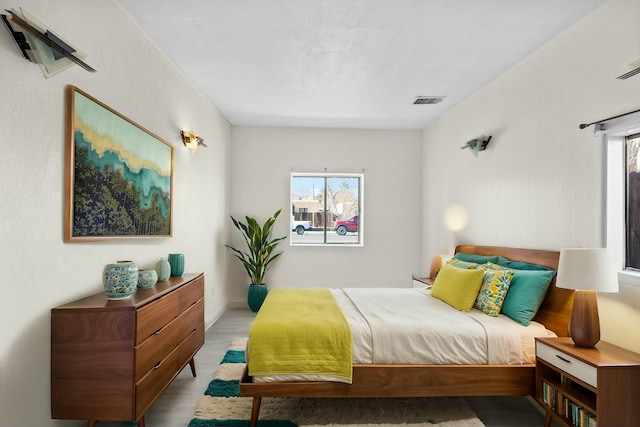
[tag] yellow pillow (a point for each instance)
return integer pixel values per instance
(458, 287)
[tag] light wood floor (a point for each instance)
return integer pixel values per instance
(176, 405)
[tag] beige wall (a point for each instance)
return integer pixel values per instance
(261, 166)
(540, 182)
(40, 271)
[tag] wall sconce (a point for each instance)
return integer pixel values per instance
(40, 45)
(477, 144)
(191, 140)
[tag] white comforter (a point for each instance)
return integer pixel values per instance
(408, 326)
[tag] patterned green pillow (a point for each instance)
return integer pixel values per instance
(462, 264)
(492, 266)
(493, 291)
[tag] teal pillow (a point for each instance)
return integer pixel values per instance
(518, 265)
(526, 293)
(478, 259)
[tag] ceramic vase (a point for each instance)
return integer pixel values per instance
(120, 279)
(176, 261)
(147, 278)
(163, 269)
(256, 296)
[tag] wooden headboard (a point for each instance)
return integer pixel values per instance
(555, 310)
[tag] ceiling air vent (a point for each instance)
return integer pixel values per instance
(428, 99)
(636, 70)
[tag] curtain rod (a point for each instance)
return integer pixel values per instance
(584, 125)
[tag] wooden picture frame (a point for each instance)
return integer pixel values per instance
(118, 175)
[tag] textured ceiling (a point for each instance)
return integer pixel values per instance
(347, 64)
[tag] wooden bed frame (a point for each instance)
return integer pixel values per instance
(379, 381)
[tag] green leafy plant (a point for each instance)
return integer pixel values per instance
(260, 247)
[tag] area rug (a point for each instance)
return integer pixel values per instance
(222, 406)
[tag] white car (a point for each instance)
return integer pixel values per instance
(300, 226)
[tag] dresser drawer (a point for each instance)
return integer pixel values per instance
(569, 364)
(192, 319)
(191, 293)
(156, 347)
(191, 345)
(155, 315)
(154, 383)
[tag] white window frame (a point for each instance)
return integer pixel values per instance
(613, 138)
(360, 177)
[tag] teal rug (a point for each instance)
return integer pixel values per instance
(222, 406)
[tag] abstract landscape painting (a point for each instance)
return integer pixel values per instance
(119, 175)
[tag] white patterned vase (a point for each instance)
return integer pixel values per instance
(120, 279)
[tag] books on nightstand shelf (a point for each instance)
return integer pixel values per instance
(577, 386)
(565, 407)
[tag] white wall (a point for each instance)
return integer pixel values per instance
(40, 271)
(261, 165)
(539, 183)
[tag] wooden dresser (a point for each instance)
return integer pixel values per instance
(110, 360)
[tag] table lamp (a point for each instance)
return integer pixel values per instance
(588, 271)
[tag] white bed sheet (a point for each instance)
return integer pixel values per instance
(408, 326)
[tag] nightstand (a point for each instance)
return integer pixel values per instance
(577, 385)
(422, 282)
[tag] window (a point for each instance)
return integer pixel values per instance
(326, 209)
(622, 147)
(633, 202)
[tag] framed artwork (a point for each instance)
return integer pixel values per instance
(118, 175)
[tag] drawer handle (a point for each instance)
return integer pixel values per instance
(157, 365)
(157, 332)
(563, 359)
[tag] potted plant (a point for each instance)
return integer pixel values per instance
(259, 255)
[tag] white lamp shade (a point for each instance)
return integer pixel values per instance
(588, 269)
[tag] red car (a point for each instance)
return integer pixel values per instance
(345, 225)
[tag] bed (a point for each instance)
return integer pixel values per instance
(380, 380)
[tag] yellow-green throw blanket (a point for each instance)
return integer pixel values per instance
(300, 331)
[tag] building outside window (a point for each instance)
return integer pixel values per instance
(328, 207)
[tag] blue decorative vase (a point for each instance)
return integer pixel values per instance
(120, 279)
(256, 296)
(147, 278)
(176, 261)
(163, 269)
